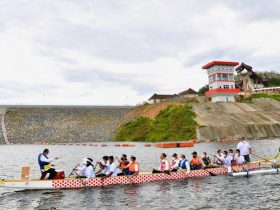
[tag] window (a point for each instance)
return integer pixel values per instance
(224, 77)
(226, 86)
(232, 87)
(230, 76)
(219, 77)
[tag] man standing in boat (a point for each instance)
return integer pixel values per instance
(245, 149)
(45, 165)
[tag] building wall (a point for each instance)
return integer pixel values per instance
(221, 84)
(222, 98)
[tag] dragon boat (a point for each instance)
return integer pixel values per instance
(261, 166)
(71, 183)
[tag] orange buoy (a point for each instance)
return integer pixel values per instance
(186, 144)
(166, 145)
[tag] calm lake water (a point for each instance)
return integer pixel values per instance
(221, 192)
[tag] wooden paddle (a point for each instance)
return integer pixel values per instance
(74, 169)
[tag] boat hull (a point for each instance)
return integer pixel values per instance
(71, 183)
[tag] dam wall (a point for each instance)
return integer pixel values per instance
(58, 124)
(256, 120)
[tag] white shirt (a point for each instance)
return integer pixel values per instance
(244, 147)
(226, 160)
(240, 159)
(89, 172)
(112, 168)
(44, 159)
(175, 163)
(166, 163)
(105, 170)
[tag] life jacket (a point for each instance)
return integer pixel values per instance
(44, 166)
(196, 161)
(163, 166)
(124, 164)
(132, 167)
(183, 164)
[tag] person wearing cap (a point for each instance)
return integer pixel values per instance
(175, 162)
(245, 149)
(133, 167)
(87, 169)
(195, 162)
(123, 164)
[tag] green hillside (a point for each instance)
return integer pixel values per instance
(174, 123)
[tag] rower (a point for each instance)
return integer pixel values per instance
(112, 170)
(195, 162)
(184, 163)
(230, 154)
(164, 165)
(87, 170)
(123, 164)
(175, 162)
(133, 167)
(45, 165)
(239, 158)
(206, 160)
(103, 167)
(226, 159)
(219, 157)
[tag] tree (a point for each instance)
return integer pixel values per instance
(202, 90)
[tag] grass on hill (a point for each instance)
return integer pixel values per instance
(260, 95)
(174, 123)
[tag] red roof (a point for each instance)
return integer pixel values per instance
(220, 90)
(225, 63)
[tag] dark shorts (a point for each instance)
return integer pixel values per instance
(247, 158)
(195, 167)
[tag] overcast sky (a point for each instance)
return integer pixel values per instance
(121, 52)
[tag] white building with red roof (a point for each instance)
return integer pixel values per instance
(221, 81)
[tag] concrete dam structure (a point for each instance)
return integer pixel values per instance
(58, 124)
(256, 120)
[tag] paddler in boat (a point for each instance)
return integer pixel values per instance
(225, 159)
(123, 164)
(133, 167)
(206, 161)
(218, 157)
(184, 163)
(103, 167)
(195, 162)
(164, 165)
(87, 169)
(45, 165)
(175, 162)
(112, 170)
(239, 159)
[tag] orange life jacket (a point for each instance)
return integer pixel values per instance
(132, 167)
(163, 166)
(196, 161)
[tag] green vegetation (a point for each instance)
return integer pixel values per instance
(174, 123)
(201, 91)
(257, 95)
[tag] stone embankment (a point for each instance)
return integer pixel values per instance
(56, 124)
(260, 119)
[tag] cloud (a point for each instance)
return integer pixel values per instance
(121, 52)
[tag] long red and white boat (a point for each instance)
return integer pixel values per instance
(71, 183)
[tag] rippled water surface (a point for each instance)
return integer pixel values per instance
(219, 192)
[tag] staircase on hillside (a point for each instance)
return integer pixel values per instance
(4, 131)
